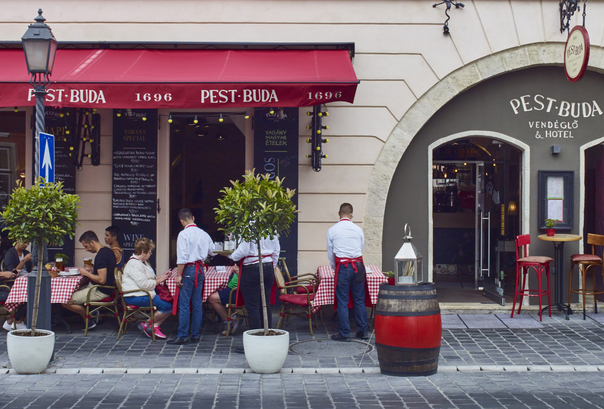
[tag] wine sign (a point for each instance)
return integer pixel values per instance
(134, 198)
(276, 153)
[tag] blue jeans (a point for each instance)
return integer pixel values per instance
(143, 301)
(188, 295)
(349, 280)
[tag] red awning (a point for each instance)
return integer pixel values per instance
(134, 78)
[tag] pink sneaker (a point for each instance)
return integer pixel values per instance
(158, 333)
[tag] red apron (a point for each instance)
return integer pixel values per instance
(345, 262)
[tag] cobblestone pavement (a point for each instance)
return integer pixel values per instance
(486, 361)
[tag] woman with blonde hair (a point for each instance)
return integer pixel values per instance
(138, 274)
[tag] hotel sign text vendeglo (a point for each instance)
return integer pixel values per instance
(567, 115)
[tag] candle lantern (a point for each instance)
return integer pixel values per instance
(408, 262)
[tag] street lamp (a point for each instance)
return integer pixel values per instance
(40, 47)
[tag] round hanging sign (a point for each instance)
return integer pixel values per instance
(576, 54)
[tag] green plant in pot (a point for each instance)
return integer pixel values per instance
(40, 215)
(254, 209)
(549, 226)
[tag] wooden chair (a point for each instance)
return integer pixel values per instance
(291, 302)
(107, 307)
(235, 307)
(315, 281)
(585, 262)
(133, 313)
(524, 263)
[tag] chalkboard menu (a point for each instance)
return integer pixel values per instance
(62, 124)
(134, 198)
(276, 152)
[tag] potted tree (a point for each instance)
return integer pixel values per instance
(254, 209)
(549, 226)
(40, 215)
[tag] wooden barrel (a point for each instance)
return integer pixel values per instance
(408, 329)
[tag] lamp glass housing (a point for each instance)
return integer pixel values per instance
(408, 265)
(40, 55)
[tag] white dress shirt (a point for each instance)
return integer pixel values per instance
(249, 252)
(344, 240)
(193, 244)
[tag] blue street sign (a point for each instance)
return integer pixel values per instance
(46, 160)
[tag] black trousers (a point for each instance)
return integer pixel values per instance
(250, 290)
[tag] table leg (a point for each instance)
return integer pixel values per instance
(58, 319)
(559, 258)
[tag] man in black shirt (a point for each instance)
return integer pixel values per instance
(102, 274)
(17, 258)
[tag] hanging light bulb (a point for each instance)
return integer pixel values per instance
(170, 119)
(16, 109)
(272, 111)
(61, 114)
(195, 121)
(221, 119)
(144, 118)
(246, 116)
(118, 114)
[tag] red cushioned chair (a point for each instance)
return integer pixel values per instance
(585, 262)
(525, 263)
(292, 302)
(107, 307)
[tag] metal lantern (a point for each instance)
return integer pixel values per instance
(40, 46)
(408, 265)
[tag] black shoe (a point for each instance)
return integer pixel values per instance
(195, 340)
(178, 341)
(340, 337)
(362, 335)
(239, 350)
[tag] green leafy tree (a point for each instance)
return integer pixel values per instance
(255, 209)
(42, 214)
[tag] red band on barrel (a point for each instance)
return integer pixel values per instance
(408, 332)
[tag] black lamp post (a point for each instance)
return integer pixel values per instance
(40, 47)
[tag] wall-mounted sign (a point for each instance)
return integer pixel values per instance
(576, 54)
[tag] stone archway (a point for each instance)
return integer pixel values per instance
(427, 105)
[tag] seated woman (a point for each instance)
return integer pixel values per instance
(15, 259)
(21, 310)
(219, 299)
(138, 274)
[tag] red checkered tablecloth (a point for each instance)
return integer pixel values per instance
(61, 290)
(213, 281)
(325, 292)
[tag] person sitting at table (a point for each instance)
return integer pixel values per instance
(111, 233)
(17, 258)
(250, 278)
(6, 278)
(138, 274)
(103, 273)
(219, 299)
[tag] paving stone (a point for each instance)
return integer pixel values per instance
(350, 370)
(586, 368)
(235, 371)
(492, 368)
(468, 368)
(162, 370)
(372, 370)
(138, 371)
(188, 371)
(515, 368)
(67, 371)
(539, 368)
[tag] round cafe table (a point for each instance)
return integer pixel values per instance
(559, 240)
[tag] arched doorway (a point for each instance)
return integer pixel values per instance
(476, 196)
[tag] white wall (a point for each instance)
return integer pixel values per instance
(401, 53)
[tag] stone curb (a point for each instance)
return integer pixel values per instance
(309, 371)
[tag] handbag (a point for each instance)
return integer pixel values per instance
(162, 292)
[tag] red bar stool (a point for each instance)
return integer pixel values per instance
(524, 263)
(585, 261)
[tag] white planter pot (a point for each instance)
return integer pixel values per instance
(266, 354)
(30, 354)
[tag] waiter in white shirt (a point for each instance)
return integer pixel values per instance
(345, 242)
(192, 248)
(250, 277)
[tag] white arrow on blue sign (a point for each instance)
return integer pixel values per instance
(46, 160)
